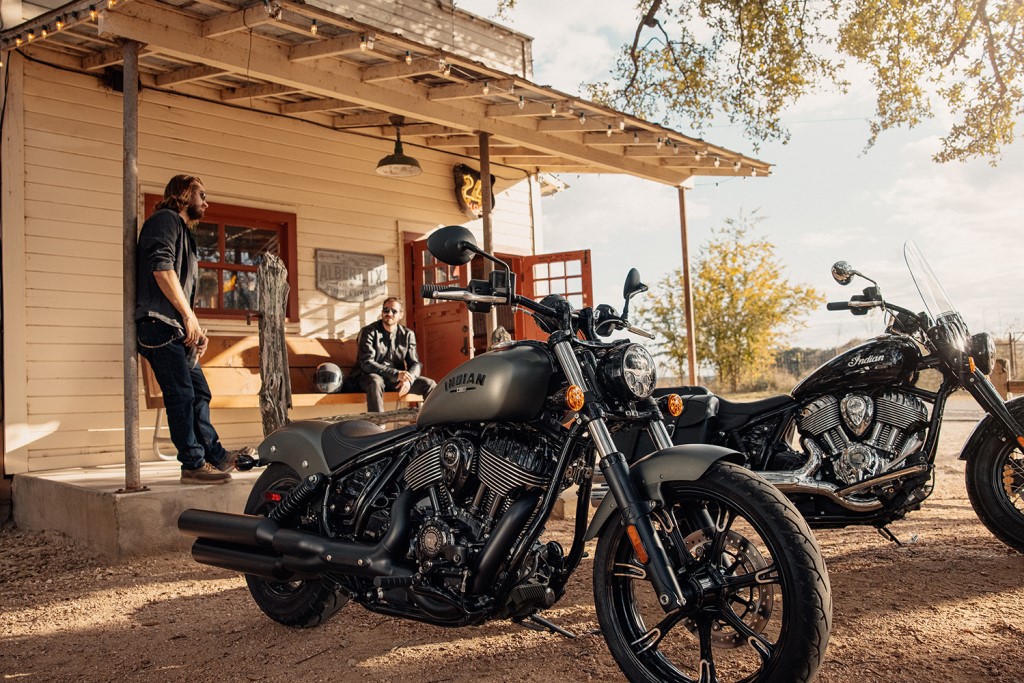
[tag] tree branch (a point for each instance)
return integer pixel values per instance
(647, 20)
(963, 39)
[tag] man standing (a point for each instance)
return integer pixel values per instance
(168, 331)
(387, 359)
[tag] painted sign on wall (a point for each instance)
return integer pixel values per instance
(349, 276)
(470, 192)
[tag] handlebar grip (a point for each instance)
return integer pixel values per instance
(428, 291)
(838, 305)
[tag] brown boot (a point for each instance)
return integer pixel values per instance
(231, 457)
(207, 474)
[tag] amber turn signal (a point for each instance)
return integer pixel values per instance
(638, 545)
(970, 362)
(674, 405)
(574, 397)
(1020, 440)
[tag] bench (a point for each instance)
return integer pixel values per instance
(232, 368)
(1015, 386)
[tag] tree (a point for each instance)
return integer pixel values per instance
(743, 305)
(749, 60)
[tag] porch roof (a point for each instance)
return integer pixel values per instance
(351, 76)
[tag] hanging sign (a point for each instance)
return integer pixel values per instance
(470, 192)
(348, 276)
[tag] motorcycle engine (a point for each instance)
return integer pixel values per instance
(470, 480)
(863, 436)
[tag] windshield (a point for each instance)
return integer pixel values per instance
(948, 323)
(936, 302)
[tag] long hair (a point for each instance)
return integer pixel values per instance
(178, 193)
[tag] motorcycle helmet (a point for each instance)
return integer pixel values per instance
(327, 378)
(545, 322)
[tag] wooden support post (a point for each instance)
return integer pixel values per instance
(130, 217)
(276, 390)
(691, 338)
(485, 187)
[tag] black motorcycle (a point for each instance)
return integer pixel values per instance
(703, 571)
(855, 442)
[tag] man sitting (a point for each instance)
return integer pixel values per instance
(387, 359)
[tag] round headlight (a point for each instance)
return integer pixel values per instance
(630, 370)
(982, 349)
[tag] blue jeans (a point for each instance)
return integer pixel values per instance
(186, 393)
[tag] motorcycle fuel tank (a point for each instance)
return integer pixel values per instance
(885, 360)
(509, 384)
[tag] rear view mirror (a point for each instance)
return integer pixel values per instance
(633, 284)
(453, 244)
(843, 272)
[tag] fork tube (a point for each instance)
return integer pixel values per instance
(635, 512)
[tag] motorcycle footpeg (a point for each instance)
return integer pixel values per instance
(535, 623)
(244, 463)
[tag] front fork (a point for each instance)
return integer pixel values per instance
(635, 511)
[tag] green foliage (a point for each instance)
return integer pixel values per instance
(743, 306)
(751, 59)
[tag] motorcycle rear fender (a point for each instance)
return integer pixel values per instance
(688, 462)
(298, 445)
(991, 425)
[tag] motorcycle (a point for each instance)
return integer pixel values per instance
(855, 441)
(703, 571)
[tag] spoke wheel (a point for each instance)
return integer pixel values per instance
(995, 485)
(292, 603)
(758, 602)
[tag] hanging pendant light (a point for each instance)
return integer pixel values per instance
(398, 165)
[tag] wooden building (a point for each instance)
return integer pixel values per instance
(284, 108)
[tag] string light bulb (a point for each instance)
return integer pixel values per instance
(313, 27)
(31, 35)
(736, 166)
(609, 131)
(92, 12)
(18, 41)
(636, 138)
(659, 143)
(370, 41)
(447, 69)
(718, 162)
(675, 148)
(60, 23)
(554, 109)
(362, 42)
(44, 31)
(696, 155)
(487, 87)
(753, 172)
(522, 102)
(583, 118)
(408, 57)
(111, 3)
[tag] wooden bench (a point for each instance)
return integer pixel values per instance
(232, 368)
(1015, 386)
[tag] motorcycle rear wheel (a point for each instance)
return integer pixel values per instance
(301, 604)
(995, 484)
(759, 605)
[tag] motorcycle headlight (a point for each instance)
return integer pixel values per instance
(982, 349)
(630, 371)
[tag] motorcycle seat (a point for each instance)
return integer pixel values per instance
(343, 440)
(734, 413)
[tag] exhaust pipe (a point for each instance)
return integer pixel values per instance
(256, 545)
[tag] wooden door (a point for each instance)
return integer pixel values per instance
(444, 329)
(567, 273)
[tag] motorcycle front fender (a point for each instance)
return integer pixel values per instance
(679, 463)
(993, 422)
(298, 445)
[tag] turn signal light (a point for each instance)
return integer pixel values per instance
(674, 405)
(574, 397)
(1020, 440)
(638, 546)
(970, 363)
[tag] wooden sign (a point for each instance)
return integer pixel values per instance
(470, 192)
(348, 276)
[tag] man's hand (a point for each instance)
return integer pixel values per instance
(204, 343)
(404, 387)
(193, 333)
(405, 377)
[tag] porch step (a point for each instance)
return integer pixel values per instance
(84, 504)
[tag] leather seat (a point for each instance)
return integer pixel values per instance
(344, 440)
(732, 414)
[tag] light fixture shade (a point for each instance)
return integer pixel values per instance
(398, 164)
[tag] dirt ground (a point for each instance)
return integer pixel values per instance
(944, 607)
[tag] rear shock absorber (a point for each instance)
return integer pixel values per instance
(296, 499)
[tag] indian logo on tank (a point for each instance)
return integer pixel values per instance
(858, 361)
(466, 381)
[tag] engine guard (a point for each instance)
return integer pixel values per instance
(688, 462)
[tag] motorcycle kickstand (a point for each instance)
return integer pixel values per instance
(887, 533)
(542, 624)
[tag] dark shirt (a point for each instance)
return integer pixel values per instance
(384, 354)
(165, 243)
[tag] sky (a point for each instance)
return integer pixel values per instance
(827, 198)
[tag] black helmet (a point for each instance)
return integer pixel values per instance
(549, 323)
(327, 378)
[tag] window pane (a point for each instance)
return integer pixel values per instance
(240, 290)
(206, 242)
(541, 288)
(575, 284)
(540, 270)
(557, 269)
(573, 268)
(246, 246)
(206, 291)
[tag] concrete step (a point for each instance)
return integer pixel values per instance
(89, 505)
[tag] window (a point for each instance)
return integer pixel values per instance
(232, 241)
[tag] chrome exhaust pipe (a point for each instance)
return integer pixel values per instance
(788, 483)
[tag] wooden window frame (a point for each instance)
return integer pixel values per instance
(284, 223)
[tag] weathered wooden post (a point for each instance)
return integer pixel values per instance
(276, 392)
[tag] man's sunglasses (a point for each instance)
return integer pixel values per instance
(389, 310)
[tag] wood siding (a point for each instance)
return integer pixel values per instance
(62, 251)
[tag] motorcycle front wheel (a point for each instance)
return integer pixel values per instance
(758, 600)
(300, 604)
(995, 483)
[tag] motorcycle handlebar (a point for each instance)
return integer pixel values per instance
(429, 291)
(838, 306)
